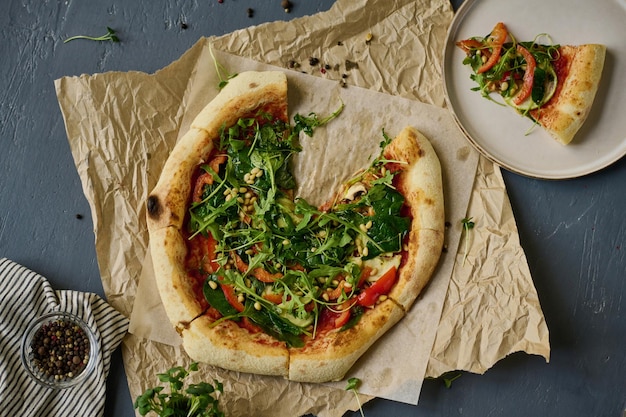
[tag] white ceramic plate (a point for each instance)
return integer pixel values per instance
(501, 134)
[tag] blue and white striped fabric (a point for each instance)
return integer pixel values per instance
(26, 295)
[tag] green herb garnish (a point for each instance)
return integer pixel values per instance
(468, 225)
(109, 36)
(196, 400)
(353, 385)
(449, 377)
(222, 72)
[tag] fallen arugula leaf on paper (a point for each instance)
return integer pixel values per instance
(110, 36)
(197, 400)
(468, 225)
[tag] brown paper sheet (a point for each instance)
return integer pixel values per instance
(329, 158)
(403, 59)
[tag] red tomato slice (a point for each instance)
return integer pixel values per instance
(369, 296)
(344, 315)
(495, 41)
(211, 247)
(231, 297)
(468, 45)
(529, 76)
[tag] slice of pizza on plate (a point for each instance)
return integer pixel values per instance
(554, 85)
(254, 278)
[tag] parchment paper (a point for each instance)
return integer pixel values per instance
(394, 367)
(491, 308)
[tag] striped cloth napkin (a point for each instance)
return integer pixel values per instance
(24, 296)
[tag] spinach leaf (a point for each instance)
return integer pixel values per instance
(217, 299)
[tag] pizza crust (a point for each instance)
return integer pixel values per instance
(178, 295)
(231, 347)
(565, 113)
(330, 357)
(422, 187)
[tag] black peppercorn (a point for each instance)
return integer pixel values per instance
(286, 5)
(60, 349)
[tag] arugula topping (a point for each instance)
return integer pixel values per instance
(505, 77)
(283, 256)
(197, 400)
(109, 36)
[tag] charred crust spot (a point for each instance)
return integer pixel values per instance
(252, 85)
(153, 206)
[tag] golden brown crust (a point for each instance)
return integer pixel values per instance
(231, 347)
(176, 287)
(421, 184)
(568, 109)
(330, 357)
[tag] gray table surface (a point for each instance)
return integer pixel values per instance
(573, 231)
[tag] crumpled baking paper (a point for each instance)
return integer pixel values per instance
(491, 309)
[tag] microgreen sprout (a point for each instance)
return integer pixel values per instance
(353, 385)
(221, 71)
(468, 225)
(449, 377)
(110, 36)
(197, 400)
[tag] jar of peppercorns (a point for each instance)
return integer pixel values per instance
(59, 350)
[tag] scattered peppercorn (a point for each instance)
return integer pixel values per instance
(79, 216)
(351, 65)
(60, 349)
(313, 61)
(250, 12)
(183, 25)
(286, 5)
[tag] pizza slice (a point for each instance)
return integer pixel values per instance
(553, 85)
(258, 280)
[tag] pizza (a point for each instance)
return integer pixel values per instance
(554, 85)
(255, 278)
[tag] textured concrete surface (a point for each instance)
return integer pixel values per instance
(574, 232)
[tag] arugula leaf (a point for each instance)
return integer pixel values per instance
(468, 225)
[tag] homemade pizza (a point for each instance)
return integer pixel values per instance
(553, 85)
(253, 277)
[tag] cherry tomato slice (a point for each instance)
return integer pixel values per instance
(469, 45)
(231, 297)
(495, 41)
(529, 76)
(382, 286)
